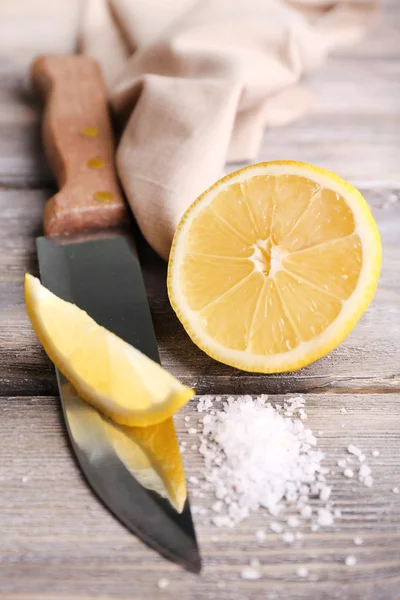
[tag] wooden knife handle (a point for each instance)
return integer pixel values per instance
(79, 146)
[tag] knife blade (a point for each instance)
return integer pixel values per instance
(88, 257)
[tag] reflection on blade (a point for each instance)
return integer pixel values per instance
(135, 482)
(151, 454)
(159, 446)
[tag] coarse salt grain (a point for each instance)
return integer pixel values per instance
(325, 517)
(375, 453)
(368, 481)
(261, 535)
(348, 473)
(163, 583)
(192, 431)
(205, 403)
(302, 572)
(199, 510)
(350, 560)
(395, 490)
(325, 493)
(343, 411)
(364, 471)
(351, 449)
(288, 537)
(358, 541)
(250, 573)
(218, 506)
(306, 512)
(293, 521)
(222, 521)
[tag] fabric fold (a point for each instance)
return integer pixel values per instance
(202, 81)
(164, 162)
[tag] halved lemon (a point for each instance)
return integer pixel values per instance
(108, 373)
(271, 267)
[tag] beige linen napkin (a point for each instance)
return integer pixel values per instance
(195, 82)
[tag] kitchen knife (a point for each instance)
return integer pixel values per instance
(88, 257)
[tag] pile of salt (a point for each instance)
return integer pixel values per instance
(257, 456)
(262, 456)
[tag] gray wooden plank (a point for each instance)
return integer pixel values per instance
(28, 28)
(353, 127)
(367, 361)
(57, 541)
(22, 161)
(382, 39)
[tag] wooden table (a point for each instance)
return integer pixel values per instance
(56, 541)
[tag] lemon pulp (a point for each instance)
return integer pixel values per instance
(271, 267)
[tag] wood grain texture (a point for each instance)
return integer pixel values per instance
(382, 40)
(57, 541)
(28, 28)
(355, 131)
(368, 361)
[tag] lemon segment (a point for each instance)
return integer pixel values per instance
(108, 373)
(271, 267)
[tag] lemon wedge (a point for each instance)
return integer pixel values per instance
(271, 267)
(112, 376)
